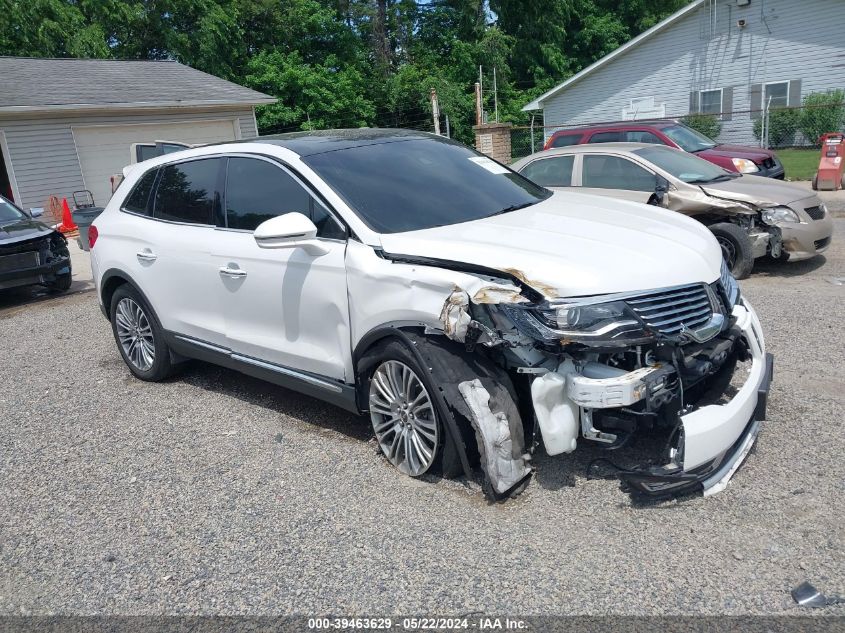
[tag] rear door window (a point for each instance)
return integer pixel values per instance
(188, 192)
(551, 172)
(606, 137)
(601, 171)
(565, 140)
(139, 200)
(257, 191)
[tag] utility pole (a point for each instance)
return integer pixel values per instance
(478, 103)
(448, 131)
(435, 111)
(495, 96)
(481, 91)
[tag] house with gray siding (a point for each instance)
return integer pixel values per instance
(68, 124)
(723, 57)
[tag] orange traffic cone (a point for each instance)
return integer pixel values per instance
(67, 225)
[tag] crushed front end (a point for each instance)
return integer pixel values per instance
(663, 361)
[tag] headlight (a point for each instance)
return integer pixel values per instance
(774, 215)
(612, 321)
(745, 166)
(729, 286)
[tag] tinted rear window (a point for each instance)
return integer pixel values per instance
(187, 192)
(139, 200)
(606, 137)
(422, 183)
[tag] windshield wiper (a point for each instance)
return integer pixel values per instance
(707, 181)
(513, 207)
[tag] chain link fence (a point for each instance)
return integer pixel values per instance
(774, 127)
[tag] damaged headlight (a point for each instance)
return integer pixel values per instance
(584, 321)
(776, 215)
(729, 286)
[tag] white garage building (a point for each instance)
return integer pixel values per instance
(68, 124)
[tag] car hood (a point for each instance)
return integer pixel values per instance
(756, 154)
(757, 190)
(23, 229)
(575, 244)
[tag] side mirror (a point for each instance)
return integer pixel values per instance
(291, 230)
(661, 187)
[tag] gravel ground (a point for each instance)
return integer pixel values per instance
(216, 493)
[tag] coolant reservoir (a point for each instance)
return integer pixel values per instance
(557, 415)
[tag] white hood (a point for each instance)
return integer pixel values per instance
(576, 244)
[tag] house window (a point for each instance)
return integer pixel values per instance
(711, 101)
(778, 93)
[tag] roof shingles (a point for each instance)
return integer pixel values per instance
(30, 83)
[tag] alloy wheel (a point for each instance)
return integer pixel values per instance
(403, 418)
(135, 334)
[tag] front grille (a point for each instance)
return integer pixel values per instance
(19, 261)
(817, 213)
(669, 310)
(822, 243)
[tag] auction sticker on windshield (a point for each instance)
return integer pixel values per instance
(490, 165)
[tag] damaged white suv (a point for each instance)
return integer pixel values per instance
(465, 309)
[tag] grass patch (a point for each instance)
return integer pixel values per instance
(799, 164)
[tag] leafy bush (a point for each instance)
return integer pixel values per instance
(783, 123)
(707, 124)
(822, 112)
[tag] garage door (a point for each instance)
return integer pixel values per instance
(104, 149)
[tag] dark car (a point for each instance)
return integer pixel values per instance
(30, 251)
(739, 158)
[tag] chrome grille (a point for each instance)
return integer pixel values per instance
(668, 311)
(817, 213)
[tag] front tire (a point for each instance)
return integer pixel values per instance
(61, 283)
(403, 412)
(139, 337)
(736, 248)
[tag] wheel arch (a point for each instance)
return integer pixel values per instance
(111, 280)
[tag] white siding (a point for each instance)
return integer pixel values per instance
(783, 40)
(44, 157)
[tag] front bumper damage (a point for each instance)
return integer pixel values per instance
(714, 438)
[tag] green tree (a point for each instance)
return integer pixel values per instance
(822, 112)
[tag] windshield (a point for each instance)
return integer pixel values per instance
(688, 139)
(9, 212)
(418, 184)
(683, 166)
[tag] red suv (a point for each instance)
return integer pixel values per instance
(739, 158)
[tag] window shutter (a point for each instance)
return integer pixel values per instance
(727, 103)
(756, 93)
(795, 93)
(693, 102)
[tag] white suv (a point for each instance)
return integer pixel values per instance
(465, 309)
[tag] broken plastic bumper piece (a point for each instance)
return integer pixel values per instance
(717, 438)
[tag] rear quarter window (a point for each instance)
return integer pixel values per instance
(565, 140)
(138, 200)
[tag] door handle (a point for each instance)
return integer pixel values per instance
(232, 272)
(146, 256)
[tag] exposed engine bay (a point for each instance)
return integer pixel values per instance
(603, 370)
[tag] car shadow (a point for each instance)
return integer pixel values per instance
(24, 295)
(765, 266)
(274, 398)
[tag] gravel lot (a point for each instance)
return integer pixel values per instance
(216, 493)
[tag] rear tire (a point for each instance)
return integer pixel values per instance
(736, 248)
(139, 336)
